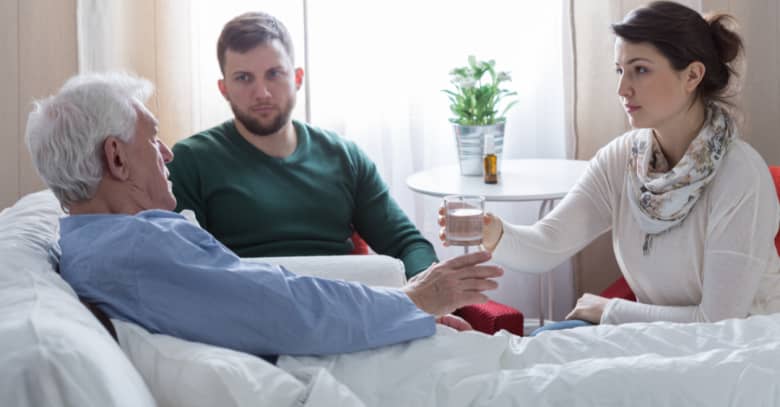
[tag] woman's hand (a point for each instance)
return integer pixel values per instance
(491, 233)
(589, 308)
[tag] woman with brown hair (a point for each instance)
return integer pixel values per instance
(692, 207)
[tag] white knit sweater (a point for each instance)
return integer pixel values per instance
(719, 263)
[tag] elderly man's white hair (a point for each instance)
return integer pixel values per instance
(66, 131)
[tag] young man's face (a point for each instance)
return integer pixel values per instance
(261, 86)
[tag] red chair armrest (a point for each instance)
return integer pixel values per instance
(619, 289)
(491, 317)
(360, 245)
(775, 171)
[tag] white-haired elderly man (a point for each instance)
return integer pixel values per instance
(96, 146)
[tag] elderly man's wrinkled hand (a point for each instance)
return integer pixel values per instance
(449, 285)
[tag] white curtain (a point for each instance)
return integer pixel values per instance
(375, 71)
(376, 77)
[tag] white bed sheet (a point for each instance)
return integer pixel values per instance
(731, 363)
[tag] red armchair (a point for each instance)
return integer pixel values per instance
(620, 288)
(775, 171)
(489, 317)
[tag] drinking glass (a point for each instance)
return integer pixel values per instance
(463, 214)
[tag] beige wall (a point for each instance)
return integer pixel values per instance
(40, 39)
(148, 38)
(761, 81)
(38, 45)
(151, 38)
(599, 117)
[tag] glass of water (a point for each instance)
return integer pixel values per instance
(464, 220)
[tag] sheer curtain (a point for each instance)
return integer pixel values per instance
(374, 74)
(377, 76)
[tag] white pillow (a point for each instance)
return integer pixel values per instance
(374, 270)
(184, 373)
(52, 350)
(191, 374)
(177, 372)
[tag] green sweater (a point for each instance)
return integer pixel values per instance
(304, 204)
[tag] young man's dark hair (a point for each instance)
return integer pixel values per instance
(250, 30)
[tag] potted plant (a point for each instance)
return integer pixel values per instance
(474, 103)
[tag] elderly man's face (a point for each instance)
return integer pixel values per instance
(147, 158)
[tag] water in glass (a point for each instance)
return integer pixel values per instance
(464, 220)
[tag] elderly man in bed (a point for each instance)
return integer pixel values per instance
(96, 146)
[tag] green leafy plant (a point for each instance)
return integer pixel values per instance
(478, 93)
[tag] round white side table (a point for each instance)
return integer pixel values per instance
(521, 180)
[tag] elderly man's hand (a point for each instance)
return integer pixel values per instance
(449, 285)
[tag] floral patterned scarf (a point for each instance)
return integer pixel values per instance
(661, 197)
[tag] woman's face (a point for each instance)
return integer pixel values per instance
(651, 91)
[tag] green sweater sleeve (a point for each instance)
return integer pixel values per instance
(185, 177)
(382, 223)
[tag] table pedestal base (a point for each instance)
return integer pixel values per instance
(545, 208)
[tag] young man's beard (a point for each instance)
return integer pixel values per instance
(255, 127)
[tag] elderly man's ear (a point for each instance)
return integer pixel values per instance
(117, 158)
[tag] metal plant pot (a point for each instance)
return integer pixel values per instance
(471, 141)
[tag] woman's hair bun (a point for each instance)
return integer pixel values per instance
(726, 40)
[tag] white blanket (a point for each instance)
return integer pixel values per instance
(731, 363)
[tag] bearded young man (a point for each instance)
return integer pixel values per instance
(267, 185)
